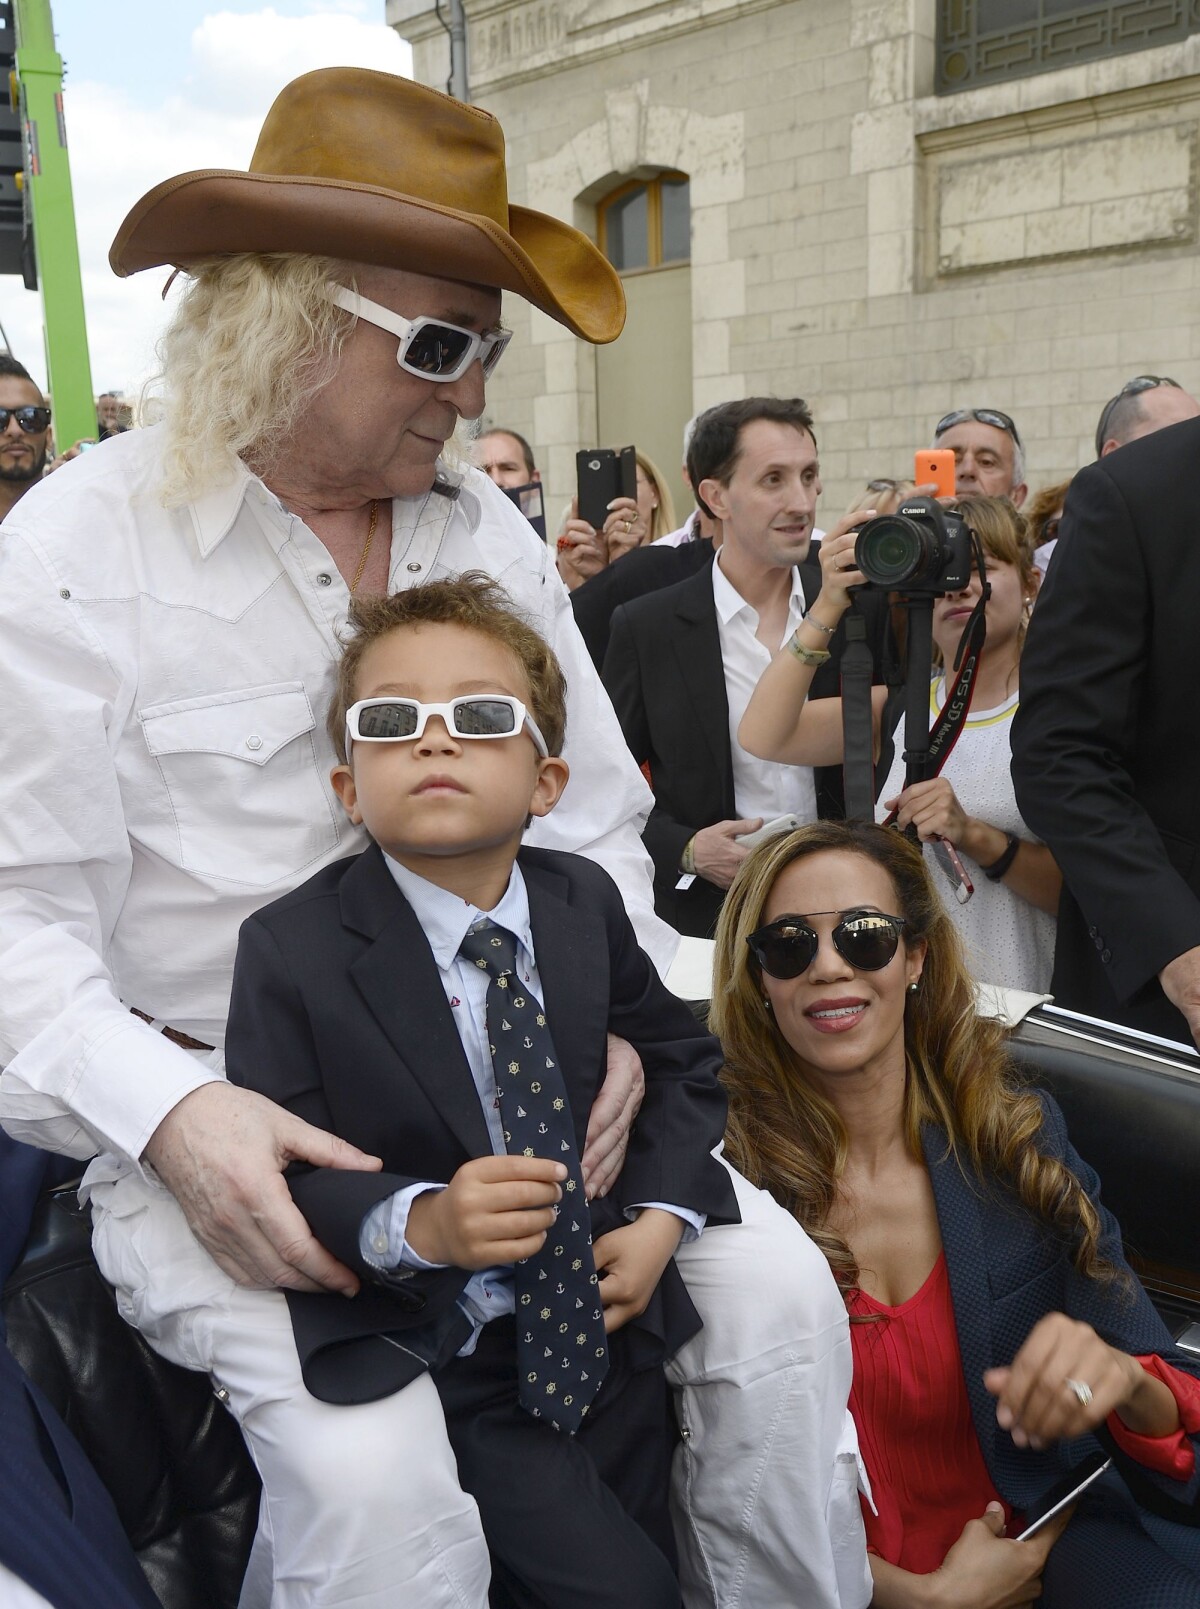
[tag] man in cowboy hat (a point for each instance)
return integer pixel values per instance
(164, 683)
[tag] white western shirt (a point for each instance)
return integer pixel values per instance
(164, 678)
(760, 787)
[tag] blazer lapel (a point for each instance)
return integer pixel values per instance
(402, 987)
(961, 1224)
(697, 647)
(571, 947)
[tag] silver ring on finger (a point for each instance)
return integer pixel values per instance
(1081, 1391)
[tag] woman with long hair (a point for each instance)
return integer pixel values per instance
(632, 522)
(995, 1324)
(1009, 923)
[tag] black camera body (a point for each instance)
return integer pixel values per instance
(922, 548)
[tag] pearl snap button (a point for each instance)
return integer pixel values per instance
(380, 1244)
(324, 579)
(415, 568)
(254, 741)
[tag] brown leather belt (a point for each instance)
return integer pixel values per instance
(184, 1041)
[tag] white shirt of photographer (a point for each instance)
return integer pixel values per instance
(164, 681)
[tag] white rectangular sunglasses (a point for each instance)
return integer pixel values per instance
(428, 347)
(477, 715)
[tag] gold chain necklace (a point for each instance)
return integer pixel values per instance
(366, 552)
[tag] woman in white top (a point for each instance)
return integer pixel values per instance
(1009, 923)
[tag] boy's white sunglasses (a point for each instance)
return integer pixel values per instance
(403, 720)
(428, 348)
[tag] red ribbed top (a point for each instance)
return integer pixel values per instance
(915, 1432)
(909, 1401)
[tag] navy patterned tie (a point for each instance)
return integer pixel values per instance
(562, 1352)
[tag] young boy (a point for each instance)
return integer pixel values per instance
(442, 1001)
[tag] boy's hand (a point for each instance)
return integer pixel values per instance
(496, 1209)
(630, 1263)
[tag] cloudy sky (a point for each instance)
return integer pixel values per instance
(158, 87)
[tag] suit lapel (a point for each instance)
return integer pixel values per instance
(402, 988)
(571, 948)
(697, 648)
(961, 1223)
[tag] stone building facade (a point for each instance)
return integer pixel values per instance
(886, 252)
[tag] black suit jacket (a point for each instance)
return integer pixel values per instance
(338, 1013)
(1106, 744)
(645, 569)
(664, 674)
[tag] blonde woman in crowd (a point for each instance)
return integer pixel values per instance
(1009, 921)
(583, 551)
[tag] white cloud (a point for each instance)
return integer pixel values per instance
(209, 119)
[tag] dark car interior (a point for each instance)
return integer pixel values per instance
(172, 1456)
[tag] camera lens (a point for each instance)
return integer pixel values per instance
(892, 550)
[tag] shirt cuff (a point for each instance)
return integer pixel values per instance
(1172, 1454)
(381, 1236)
(693, 1222)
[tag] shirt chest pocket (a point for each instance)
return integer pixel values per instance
(247, 800)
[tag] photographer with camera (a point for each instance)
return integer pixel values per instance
(1008, 922)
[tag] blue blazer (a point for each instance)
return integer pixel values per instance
(59, 1531)
(1008, 1270)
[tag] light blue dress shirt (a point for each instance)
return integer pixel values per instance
(446, 920)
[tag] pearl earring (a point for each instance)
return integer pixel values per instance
(913, 987)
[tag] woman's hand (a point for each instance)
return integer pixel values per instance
(624, 529)
(933, 809)
(1036, 1401)
(984, 1570)
(582, 550)
(838, 570)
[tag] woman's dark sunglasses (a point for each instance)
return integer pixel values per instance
(866, 939)
(30, 419)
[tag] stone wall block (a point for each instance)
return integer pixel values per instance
(889, 75)
(626, 113)
(873, 20)
(710, 347)
(881, 138)
(719, 290)
(714, 153)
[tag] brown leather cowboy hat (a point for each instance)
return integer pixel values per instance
(372, 168)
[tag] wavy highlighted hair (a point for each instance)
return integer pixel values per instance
(788, 1139)
(253, 339)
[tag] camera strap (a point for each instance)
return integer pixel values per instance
(858, 737)
(951, 719)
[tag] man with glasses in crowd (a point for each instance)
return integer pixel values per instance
(989, 460)
(1142, 405)
(23, 434)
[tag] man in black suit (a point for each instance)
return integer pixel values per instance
(682, 662)
(1106, 744)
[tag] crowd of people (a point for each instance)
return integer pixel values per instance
(350, 827)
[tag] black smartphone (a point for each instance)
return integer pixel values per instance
(602, 474)
(1068, 1490)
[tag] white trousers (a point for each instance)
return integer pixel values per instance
(362, 1507)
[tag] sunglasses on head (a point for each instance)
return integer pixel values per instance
(403, 720)
(1131, 388)
(985, 416)
(30, 419)
(428, 347)
(866, 939)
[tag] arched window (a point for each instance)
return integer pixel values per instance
(647, 223)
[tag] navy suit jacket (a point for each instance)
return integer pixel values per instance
(1007, 1270)
(59, 1531)
(338, 1013)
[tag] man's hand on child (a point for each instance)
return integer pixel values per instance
(221, 1152)
(612, 1115)
(496, 1209)
(630, 1263)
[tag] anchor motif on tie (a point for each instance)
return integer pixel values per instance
(527, 1042)
(542, 1128)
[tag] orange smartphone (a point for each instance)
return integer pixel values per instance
(937, 466)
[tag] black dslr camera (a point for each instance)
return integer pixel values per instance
(921, 548)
